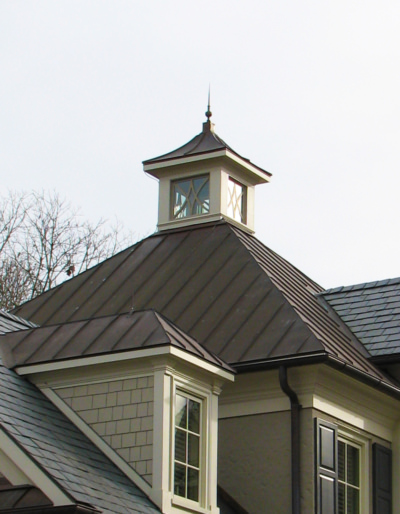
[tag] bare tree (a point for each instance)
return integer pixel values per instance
(44, 241)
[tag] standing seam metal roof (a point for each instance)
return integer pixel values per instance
(220, 285)
(97, 336)
(205, 142)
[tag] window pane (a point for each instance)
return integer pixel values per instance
(341, 461)
(180, 480)
(353, 501)
(191, 197)
(193, 454)
(342, 499)
(193, 484)
(352, 465)
(187, 447)
(180, 411)
(194, 416)
(180, 445)
(236, 201)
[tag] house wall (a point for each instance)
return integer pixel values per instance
(254, 461)
(121, 412)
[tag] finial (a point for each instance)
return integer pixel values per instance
(207, 125)
(208, 112)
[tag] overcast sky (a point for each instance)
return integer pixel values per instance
(308, 90)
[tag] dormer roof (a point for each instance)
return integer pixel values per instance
(116, 334)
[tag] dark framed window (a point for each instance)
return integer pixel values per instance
(190, 197)
(348, 478)
(187, 451)
(339, 484)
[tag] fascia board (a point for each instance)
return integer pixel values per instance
(125, 356)
(34, 473)
(263, 176)
(320, 387)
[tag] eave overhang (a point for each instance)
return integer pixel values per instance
(259, 175)
(320, 358)
(148, 353)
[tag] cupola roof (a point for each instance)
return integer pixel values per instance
(207, 142)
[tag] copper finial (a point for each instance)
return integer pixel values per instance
(208, 112)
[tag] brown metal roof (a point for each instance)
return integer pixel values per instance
(205, 142)
(222, 286)
(99, 336)
(22, 496)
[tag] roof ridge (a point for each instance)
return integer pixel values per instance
(362, 285)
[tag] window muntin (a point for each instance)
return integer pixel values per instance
(237, 198)
(191, 197)
(348, 478)
(187, 454)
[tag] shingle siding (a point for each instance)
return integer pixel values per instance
(121, 413)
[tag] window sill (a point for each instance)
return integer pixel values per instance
(188, 505)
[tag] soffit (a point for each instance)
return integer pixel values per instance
(222, 286)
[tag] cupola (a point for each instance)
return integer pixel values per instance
(205, 180)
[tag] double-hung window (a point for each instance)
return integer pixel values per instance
(348, 477)
(343, 472)
(188, 446)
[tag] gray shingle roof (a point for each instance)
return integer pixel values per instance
(65, 454)
(97, 336)
(372, 311)
(9, 323)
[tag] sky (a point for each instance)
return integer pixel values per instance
(309, 91)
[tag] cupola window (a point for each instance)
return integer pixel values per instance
(237, 201)
(190, 197)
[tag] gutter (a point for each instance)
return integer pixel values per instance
(321, 358)
(295, 438)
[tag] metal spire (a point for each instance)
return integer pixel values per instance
(208, 125)
(208, 112)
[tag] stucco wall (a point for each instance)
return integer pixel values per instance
(121, 412)
(254, 461)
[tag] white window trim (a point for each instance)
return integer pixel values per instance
(363, 444)
(204, 397)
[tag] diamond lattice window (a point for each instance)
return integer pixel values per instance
(236, 201)
(191, 197)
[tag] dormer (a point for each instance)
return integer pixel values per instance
(142, 390)
(205, 180)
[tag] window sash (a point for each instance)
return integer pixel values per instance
(187, 446)
(349, 479)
